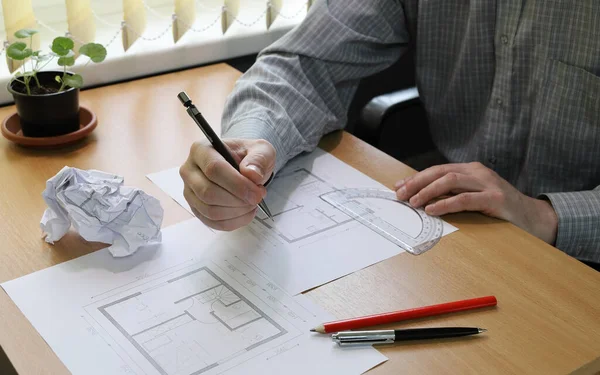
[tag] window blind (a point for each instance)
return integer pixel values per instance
(80, 22)
(20, 17)
(146, 37)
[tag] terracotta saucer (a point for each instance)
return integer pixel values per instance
(11, 130)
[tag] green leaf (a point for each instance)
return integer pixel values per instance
(75, 80)
(66, 61)
(18, 51)
(38, 56)
(25, 33)
(62, 45)
(41, 58)
(58, 79)
(96, 52)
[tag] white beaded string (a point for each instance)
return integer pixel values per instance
(233, 16)
(148, 39)
(102, 20)
(54, 31)
(190, 27)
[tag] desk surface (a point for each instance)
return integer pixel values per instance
(548, 316)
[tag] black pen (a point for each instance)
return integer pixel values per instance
(214, 139)
(389, 336)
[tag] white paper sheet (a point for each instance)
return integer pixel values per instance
(311, 242)
(186, 306)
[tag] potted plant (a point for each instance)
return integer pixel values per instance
(48, 101)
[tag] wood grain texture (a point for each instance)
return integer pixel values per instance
(548, 316)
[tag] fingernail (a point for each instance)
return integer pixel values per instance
(414, 201)
(401, 193)
(256, 169)
(403, 181)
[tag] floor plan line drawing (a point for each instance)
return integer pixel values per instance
(119, 289)
(195, 294)
(294, 221)
(169, 324)
(121, 352)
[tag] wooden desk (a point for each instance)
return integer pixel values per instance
(547, 320)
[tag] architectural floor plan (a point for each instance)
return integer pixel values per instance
(298, 211)
(190, 306)
(174, 325)
(188, 323)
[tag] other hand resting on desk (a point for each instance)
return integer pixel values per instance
(220, 196)
(475, 187)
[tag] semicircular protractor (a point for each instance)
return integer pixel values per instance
(419, 233)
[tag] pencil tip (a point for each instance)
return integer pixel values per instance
(320, 329)
(481, 330)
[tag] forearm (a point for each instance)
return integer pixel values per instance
(301, 86)
(276, 100)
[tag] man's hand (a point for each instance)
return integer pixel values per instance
(220, 196)
(473, 187)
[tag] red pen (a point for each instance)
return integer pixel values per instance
(397, 316)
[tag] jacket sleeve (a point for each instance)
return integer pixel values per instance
(578, 223)
(301, 86)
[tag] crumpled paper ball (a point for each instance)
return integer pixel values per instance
(100, 209)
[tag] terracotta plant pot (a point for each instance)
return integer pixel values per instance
(45, 114)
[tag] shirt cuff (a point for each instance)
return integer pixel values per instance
(578, 223)
(255, 128)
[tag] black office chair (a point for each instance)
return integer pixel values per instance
(396, 123)
(387, 113)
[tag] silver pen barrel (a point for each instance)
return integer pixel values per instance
(356, 338)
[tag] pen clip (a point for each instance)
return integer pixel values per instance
(193, 111)
(364, 342)
(356, 338)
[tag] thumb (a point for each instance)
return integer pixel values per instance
(259, 162)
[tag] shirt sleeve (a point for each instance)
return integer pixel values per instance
(578, 223)
(301, 86)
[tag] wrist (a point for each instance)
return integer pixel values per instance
(543, 220)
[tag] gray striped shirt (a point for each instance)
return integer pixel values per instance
(513, 84)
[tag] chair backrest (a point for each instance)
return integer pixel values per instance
(387, 113)
(399, 76)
